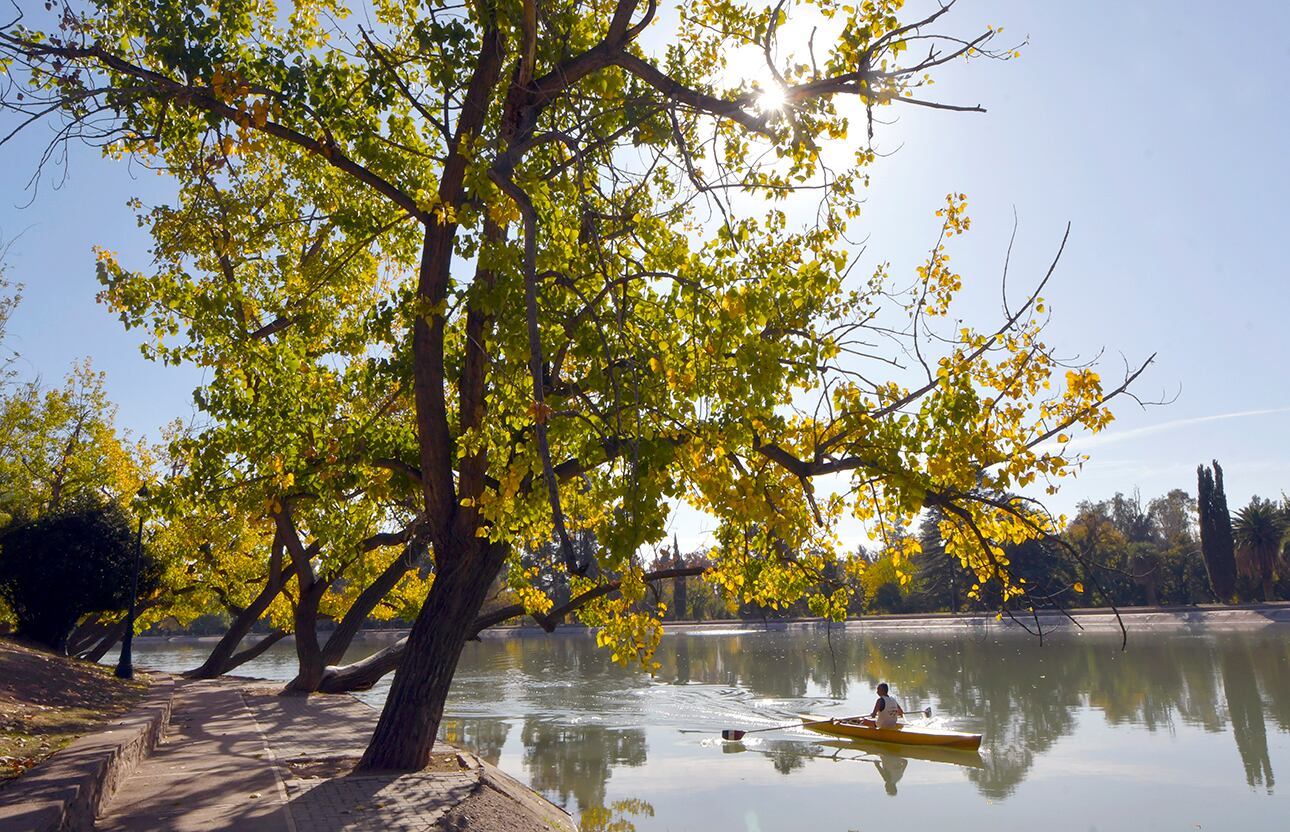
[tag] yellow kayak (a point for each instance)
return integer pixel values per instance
(863, 730)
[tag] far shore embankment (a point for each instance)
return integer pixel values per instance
(1193, 618)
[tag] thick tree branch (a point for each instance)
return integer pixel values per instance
(549, 621)
(540, 410)
(161, 87)
(365, 673)
(676, 91)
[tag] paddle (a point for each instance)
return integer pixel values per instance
(736, 735)
(927, 714)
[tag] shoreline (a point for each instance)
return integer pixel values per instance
(1209, 616)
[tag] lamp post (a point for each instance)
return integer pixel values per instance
(125, 664)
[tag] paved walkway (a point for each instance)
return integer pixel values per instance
(239, 758)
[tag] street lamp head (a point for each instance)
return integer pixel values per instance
(143, 492)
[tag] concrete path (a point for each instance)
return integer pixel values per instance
(247, 759)
(211, 771)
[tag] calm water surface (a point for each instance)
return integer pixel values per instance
(1178, 732)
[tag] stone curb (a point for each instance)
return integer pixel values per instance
(67, 792)
(523, 797)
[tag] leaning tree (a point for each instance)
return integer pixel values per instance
(628, 284)
(305, 407)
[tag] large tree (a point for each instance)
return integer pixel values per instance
(942, 581)
(59, 445)
(67, 562)
(305, 425)
(1173, 517)
(616, 278)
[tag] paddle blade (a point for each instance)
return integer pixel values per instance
(731, 734)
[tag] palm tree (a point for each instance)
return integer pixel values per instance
(1259, 529)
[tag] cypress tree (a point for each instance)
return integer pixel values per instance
(941, 579)
(1216, 544)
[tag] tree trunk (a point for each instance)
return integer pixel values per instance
(406, 731)
(217, 662)
(88, 633)
(111, 637)
(1269, 592)
(107, 634)
(56, 640)
(308, 652)
(680, 602)
(334, 650)
(364, 673)
(243, 656)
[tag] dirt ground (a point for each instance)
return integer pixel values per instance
(499, 804)
(309, 768)
(46, 701)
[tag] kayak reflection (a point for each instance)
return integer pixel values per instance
(890, 761)
(953, 756)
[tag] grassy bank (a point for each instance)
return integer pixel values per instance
(47, 701)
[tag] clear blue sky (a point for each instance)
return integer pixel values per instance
(1123, 118)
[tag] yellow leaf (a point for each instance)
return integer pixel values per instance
(1079, 586)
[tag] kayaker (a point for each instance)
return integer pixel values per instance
(886, 711)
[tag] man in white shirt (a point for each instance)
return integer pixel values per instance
(886, 711)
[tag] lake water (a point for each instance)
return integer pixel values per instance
(1180, 731)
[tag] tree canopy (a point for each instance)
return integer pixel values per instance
(527, 268)
(1258, 532)
(63, 564)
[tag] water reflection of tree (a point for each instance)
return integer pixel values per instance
(1021, 695)
(1023, 699)
(484, 736)
(1245, 707)
(1270, 653)
(1201, 699)
(681, 654)
(788, 757)
(614, 818)
(577, 760)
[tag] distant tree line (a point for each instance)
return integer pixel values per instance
(1173, 550)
